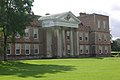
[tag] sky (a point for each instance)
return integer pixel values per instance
(105, 7)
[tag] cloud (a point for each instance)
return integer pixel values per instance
(115, 27)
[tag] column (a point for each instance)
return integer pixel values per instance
(71, 42)
(63, 42)
(77, 43)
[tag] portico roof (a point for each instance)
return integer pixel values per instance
(66, 19)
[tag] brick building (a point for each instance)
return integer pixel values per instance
(63, 35)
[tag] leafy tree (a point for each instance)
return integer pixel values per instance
(115, 45)
(15, 15)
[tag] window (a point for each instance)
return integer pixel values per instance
(86, 36)
(35, 34)
(9, 49)
(99, 37)
(81, 49)
(106, 49)
(105, 24)
(68, 49)
(27, 35)
(100, 49)
(68, 35)
(98, 24)
(17, 35)
(81, 36)
(36, 48)
(87, 49)
(27, 49)
(105, 37)
(17, 49)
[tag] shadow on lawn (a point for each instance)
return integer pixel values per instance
(31, 70)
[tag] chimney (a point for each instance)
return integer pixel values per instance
(82, 14)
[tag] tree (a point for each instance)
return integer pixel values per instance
(115, 45)
(15, 15)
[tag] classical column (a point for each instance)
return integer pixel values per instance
(77, 43)
(63, 43)
(71, 42)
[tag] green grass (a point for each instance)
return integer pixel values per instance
(62, 69)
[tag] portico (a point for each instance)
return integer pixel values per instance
(61, 34)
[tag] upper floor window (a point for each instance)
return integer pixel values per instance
(105, 37)
(68, 34)
(17, 49)
(35, 35)
(9, 49)
(81, 36)
(99, 37)
(99, 24)
(105, 24)
(27, 34)
(27, 49)
(17, 35)
(86, 36)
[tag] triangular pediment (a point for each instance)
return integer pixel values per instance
(68, 17)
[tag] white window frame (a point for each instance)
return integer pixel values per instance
(27, 32)
(86, 36)
(18, 46)
(27, 47)
(81, 36)
(99, 37)
(36, 46)
(99, 26)
(100, 48)
(9, 48)
(35, 32)
(106, 49)
(105, 24)
(87, 48)
(81, 49)
(17, 35)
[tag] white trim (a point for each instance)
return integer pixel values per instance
(36, 46)
(19, 47)
(27, 47)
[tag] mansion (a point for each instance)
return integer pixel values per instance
(63, 35)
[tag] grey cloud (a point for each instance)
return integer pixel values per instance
(115, 27)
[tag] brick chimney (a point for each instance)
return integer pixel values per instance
(82, 14)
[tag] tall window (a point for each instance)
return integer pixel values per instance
(9, 49)
(17, 35)
(17, 49)
(81, 36)
(81, 49)
(68, 35)
(105, 24)
(68, 49)
(99, 37)
(87, 49)
(106, 49)
(100, 49)
(36, 48)
(98, 24)
(105, 37)
(27, 34)
(86, 36)
(35, 35)
(27, 49)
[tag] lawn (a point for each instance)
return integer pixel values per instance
(62, 69)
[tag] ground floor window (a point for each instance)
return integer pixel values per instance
(18, 49)
(9, 49)
(27, 49)
(36, 48)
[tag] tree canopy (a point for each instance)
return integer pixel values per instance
(15, 15)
